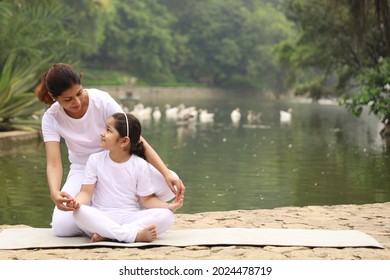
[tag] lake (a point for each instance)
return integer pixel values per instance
(324, 156)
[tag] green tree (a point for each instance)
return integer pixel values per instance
(342, 49)
(91, 19)
(374, 93)
(18, 104)
(374, 90)
(38, 29)
(337, 42)
(323, 49)
(33, 35)
(231, 41)
(140, 40)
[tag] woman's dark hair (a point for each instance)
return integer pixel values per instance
(57, 79)
(136, 145)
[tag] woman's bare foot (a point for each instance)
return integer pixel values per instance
(96, 238)
(147, 234)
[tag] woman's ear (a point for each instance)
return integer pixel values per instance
(51, 96)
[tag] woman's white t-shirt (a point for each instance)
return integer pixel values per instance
(118, 185)
(82, 136)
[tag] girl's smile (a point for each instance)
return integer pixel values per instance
(109, 136)
(111, 140)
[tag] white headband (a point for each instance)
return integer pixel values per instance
(127, 125)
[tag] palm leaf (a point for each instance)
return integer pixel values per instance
(17, 102)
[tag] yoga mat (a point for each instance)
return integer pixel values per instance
(24, 238)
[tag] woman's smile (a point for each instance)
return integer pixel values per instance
(75, 108)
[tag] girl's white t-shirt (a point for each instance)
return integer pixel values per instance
(118, 185)
(82, 136)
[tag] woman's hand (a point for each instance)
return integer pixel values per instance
(74, 205)
(61, 199)
(175, 184)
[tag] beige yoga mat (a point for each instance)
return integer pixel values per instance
(24, 238)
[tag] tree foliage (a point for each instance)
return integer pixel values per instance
(38, 29)
(374, 91)
(326, 47)
(230, 42)
(33, 35)
(18, 103)
(90, 19)
(225, 42)
(222, 43)
(338, 49)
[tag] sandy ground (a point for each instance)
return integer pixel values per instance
(373, 219)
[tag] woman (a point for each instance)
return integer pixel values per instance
(116, 184)
(78, 116)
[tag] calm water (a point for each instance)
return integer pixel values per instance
(323, 157)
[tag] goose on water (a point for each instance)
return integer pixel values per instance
(253, 117)
(205, 116)
(235, 115)
(156, 114)
(285, 116)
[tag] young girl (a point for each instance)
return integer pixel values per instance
(118, 183)
(78, 115)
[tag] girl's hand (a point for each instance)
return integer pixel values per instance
(176, 185)
(61, 199)
(74, 205)
(176, 204)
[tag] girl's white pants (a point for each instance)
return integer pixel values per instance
(121, 224)
(63, 222)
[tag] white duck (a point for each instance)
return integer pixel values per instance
(205, 116)
(171, 112)
(252, 117)
(187, 113)
(285, 116)
(142, 112)
(156, 114)
(235, 115)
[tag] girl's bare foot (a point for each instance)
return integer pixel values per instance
(147, 234)
(96, 238)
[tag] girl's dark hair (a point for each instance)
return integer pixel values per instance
(57, 79)
(136, 145)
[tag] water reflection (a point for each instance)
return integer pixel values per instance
(323, 155)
